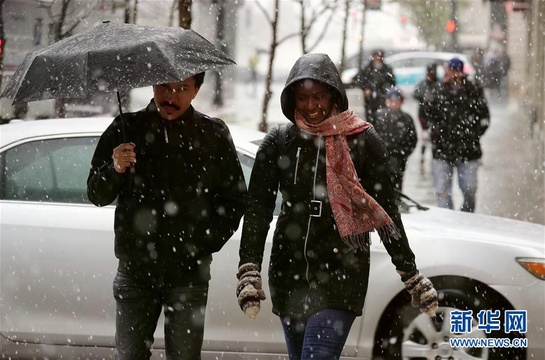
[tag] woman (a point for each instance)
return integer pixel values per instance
(319, 264)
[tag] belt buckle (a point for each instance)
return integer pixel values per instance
(315, 208)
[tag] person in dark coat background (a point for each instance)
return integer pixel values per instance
(425, 91)
(477, 61)
(375, 79)
(319, 266)
(180, 196)
(458, 118)
(397, 129)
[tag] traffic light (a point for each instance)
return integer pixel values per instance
(1, 47)
(450, 26)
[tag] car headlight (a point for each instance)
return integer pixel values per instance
(535, 266)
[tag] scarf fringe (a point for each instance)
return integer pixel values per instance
(388, 233)
(358, 242)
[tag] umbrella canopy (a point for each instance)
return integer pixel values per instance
(112, 57)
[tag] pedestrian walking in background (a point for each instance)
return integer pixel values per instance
(374, 80)
(477, 61)
(253, 61)
(497, 65)
(397, 130)
(425, 91)
(332, 170)
(180, 195)
(458, 118)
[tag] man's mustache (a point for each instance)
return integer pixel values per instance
(169, 104)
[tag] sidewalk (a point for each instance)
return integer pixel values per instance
(510, 181)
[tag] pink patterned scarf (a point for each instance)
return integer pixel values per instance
(355, 212)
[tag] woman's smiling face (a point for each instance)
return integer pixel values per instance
(313, 100)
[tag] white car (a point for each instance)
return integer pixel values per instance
(410, 67)
(57, 266)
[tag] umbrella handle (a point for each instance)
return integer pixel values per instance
(123, 132)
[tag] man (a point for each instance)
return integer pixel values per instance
(180, 196)
(397, 129)
(477, 61)
(458, 117)
(425, 92)
(375, 79)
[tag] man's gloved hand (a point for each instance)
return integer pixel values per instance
(423, 294)
(249, 289)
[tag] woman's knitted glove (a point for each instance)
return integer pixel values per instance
(249, 289)
(423, 294)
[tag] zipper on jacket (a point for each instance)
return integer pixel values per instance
(296, 165)
(310, 217)
(166, 133)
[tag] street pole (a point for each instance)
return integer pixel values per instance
(454, 33)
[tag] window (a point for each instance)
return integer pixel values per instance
(56, 170)
(402, 63)
(424, 62)
(52, 170)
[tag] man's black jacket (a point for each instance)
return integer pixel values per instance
(458, 117)
(182, 200)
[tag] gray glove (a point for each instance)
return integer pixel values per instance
(249, 289)
(423, 294)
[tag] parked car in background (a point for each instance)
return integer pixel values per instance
(57, 266)
(410, 67)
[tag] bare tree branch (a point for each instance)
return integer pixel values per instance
(347, 5)
(184, 13)
(287, 37)
(264, 11)
(77, 18)
(308, 23)
(322, 34)
(263, 126)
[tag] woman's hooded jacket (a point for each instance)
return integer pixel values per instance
(311, 268)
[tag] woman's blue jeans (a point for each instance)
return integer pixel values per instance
(321, 336)
(442, 174)
(138, 306)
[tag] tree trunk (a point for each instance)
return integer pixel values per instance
(135, 12)
(263, 126)
(220, 39)
(345, 32)
(184, 13)
(127, 13)
(303, 28)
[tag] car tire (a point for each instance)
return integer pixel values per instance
(405, 333)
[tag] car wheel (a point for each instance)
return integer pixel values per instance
(405, 333)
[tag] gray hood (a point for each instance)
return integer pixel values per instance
(316, 67)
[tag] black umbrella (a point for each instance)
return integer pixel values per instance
(112, 57)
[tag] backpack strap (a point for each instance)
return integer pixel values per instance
(283, 131)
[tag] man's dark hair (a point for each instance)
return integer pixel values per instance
(199, 79)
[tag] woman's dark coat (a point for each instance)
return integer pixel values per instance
(311, 268)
